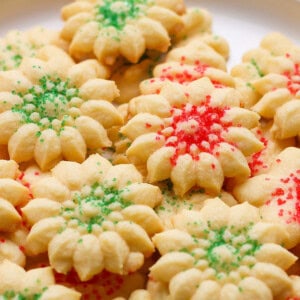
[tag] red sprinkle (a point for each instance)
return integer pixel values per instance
(293, 83)
(186, 75)
(289, 194)
(195, 129)
(256, 162)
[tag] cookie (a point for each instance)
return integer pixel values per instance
(104, 219)
(110, 29)
(221, 252)
(54, 109)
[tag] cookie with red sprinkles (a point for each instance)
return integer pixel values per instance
(277, 193)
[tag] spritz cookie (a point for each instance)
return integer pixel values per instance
(277, 193)
(16, 45)
(221, 252)
(12, 246)
(193, 59)
(104, 286)
(197, 143)
(13, 195)
(39, 283)
(261, 161)
(276, 79)
(53, 109)
(109, 29)
(105, 221)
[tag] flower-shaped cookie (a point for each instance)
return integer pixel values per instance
(104, 219)
(104, 286)
(108, 29)
(18, 44)
(193, 144)
(13, 195)
(277, 193)
(53, 109)
(199, 57)
(39, 283)
(221, 252)
(275, 76)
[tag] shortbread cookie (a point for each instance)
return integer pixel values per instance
(276, 78)
(194, 59)
(109, 29)
(13, 195)
(19, 44)
(54, 109)
(12, 246)
(39, 283)
(195, 144)
(277, 193)
(104, 219)
(261, 161)
(104, 286)
(221, 253)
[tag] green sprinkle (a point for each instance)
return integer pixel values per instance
(101, 201)
(46, 103)
(254, 63)
(117, 13)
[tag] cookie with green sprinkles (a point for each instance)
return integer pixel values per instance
(270, 74)
(52, 108)
(104, 221)
(221, 253)
(16, 45)
(108, 29)
(36, 284)
(277, 193)
(190, 137)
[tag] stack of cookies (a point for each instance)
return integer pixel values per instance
(135, 166)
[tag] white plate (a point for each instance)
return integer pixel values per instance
(242, 22)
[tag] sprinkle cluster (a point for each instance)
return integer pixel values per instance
(47, 104)
(293, 77)
(290, 192)
(93, 205)
(225, 250)
(186, 75)
(256, 162)
(14, 57)
(195, 129)
(118, 13)
(12, 295)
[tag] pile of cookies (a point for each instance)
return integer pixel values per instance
(135, 166)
